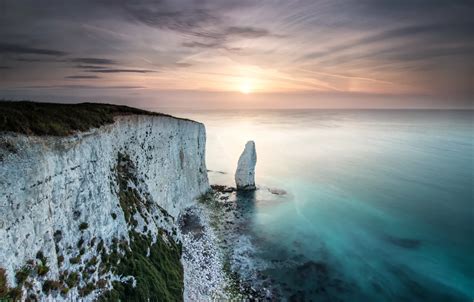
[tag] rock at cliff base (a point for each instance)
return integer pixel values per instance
(245, 174)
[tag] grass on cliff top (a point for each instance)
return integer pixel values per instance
(59, 119)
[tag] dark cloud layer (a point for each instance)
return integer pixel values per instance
(82, 66)
(120, 70)
(82, 77)
(7, 48)
(30, 60)
(83, 87)
(96, 61)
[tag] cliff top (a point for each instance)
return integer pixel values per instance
(60, 119)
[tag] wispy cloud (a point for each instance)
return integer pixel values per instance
(166, 15)
(33, 60)
(195, 44)
(246, 32)
(82, 77)
(22, 49)
(183, 64)
(121, 70)
(82, 87)
(82, 66)
(94, 61)
(193, 21)
(218, 38)
(445, 33)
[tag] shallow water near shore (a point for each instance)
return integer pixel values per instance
(378, 205)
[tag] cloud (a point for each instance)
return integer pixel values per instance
(223, 33)
(20, 49)
(82, 66)
(402, 55)
(183, 64)
(94, 61)
(82, 77)
(106, 68)
(167, 15)
(444, 33)
(422, 45)
(121, 70)
(220, 37)
(5, 67)
(192, 20)
(31, 60)
(81, 87)
(195, 44)
(246, 32)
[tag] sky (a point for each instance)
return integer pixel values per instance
(240, 54)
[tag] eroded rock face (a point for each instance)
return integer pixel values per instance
(245, 174)
(62, 196)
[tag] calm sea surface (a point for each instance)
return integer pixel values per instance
(379, 203)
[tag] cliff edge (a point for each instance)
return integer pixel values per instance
(88, 206)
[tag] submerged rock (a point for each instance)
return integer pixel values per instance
(222, 188)
(189, 223)
(407, 243)
(276, 191)
(245, 174)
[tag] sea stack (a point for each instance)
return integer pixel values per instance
(245, 174)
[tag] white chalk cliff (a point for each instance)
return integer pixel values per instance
(245, 173)
(60, 193)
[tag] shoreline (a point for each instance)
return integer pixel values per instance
(208, 254)
(202, 260)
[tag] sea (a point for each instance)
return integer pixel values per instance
(352, 205)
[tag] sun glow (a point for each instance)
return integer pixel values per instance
(245, 86)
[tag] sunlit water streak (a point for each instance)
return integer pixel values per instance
(379, 206)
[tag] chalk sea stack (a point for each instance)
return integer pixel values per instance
(245, 174)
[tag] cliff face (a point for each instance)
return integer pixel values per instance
(64, 201)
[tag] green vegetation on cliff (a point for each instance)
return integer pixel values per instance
(155, 266)
(147, 267)
(59, 119)
(158, 274)
(7, 293)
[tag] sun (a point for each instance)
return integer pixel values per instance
(245, 86)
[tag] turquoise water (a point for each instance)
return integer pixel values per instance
(379, 203)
